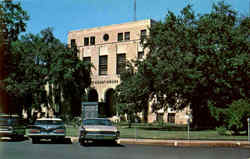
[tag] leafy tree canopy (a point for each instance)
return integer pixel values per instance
(194, 59)
(12, 22)
(12, 19)
(47, 71)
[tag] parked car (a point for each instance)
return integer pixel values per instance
(47, 128)
(98, 129)
(12, 126)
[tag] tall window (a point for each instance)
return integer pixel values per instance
(171, 117)
(103, 65)
(86, 41)
(127, 35)
(140, 55)
(143, 34)
(120, 36)
(92, 40)
(87, 60)
(120, 63)
(159, 117)
(73, 43)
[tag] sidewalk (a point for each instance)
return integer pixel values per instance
(181, 143)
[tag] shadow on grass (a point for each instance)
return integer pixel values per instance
(162, 128)
(155, 129)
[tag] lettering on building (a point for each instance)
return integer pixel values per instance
(105, 82)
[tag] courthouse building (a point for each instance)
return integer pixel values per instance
(107, 48)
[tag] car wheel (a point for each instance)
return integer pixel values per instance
(114, 142)
(14, 138)
(58, 140)
(54, 140)
(82, 141)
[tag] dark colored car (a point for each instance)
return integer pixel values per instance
(12, 126)
(98, 129)
(47, 128)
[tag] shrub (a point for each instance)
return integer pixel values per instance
(221, 130)
(235, 116)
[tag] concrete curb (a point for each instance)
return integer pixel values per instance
(181, 143)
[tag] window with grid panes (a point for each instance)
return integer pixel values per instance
(143, 34)
(140, 54)
(87, 60)
(120, 36)
(171, 117)
(92, 40)
(73, 43)
(103, 65)
(159, 117)
(120, 63)
(127, 35)
(86, 41)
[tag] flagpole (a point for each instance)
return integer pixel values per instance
(134, 10)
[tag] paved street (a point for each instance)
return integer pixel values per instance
(27, 150)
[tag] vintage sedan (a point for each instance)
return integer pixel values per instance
(98, 129)
(47, 128)
(12, 126)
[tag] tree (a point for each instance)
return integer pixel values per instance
(196, 59)
(12, 22)
(200, 59)
(132, 94)
(43, 61)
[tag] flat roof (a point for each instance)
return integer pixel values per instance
(113, 25)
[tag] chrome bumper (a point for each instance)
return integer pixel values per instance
(99, 136)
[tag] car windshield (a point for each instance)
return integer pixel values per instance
(103, 122)
(48, 122)
(4, 121)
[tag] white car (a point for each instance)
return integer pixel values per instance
(47, 128)
(98, 129)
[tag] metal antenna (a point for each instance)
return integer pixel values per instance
(134, 10)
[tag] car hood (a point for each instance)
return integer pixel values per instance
(99, 128)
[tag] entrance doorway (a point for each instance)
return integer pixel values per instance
(110, 103)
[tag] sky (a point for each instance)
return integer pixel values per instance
(67, 15)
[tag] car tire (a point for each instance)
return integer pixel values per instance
(114, 142)
(58, 140)
(82, 141)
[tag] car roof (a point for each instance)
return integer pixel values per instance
(57, 119)
(96, 119)
(7, 115)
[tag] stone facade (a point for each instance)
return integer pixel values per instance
(112, 41)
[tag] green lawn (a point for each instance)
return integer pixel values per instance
(140, 132)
